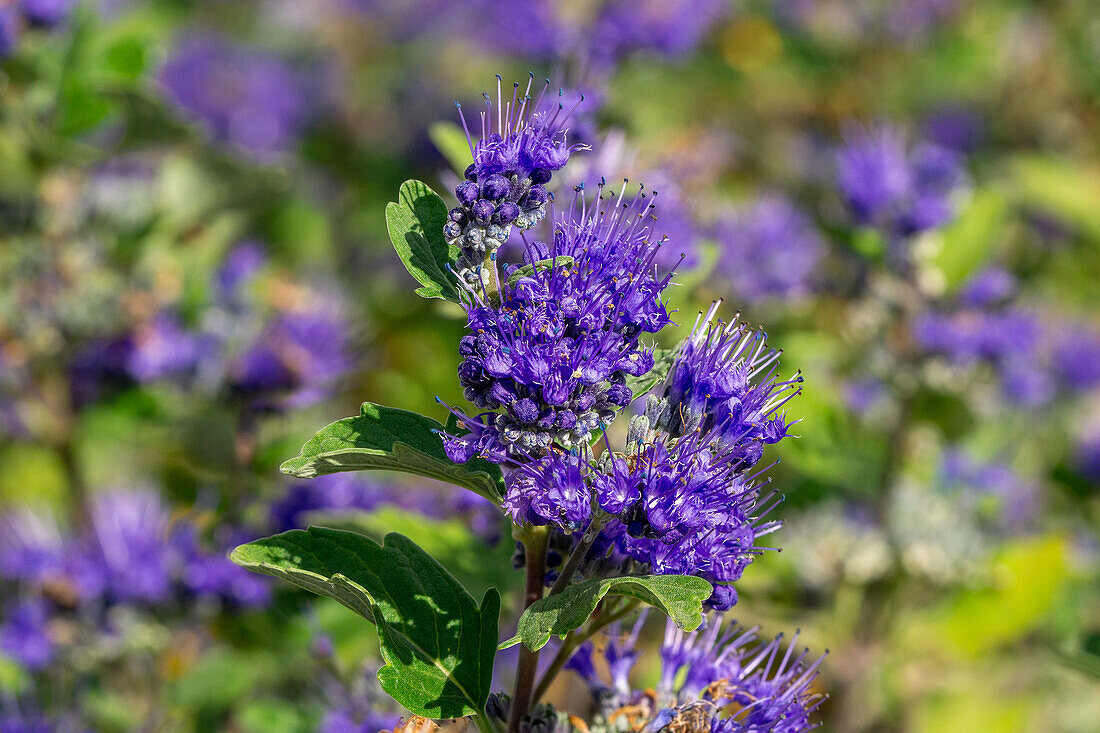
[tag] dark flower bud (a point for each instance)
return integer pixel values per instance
(471, 173)
(458, 216)
(506, 213)
(467, 192)
(525, 410)
(495, 187)
(723, 598)
(619, 394)
(483, 212)
(540, 176)
(566, 419)
(536, 197)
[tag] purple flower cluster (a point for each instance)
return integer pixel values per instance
(130, 553)
(36, 13)
(721, 679)
(681, 499)
(548, 361)
(769, 249)
(267, 358)
(246, 97)
(898, 191)
(1032, 359)
(1017, 499)
(669, 28)
(540, 29)
(520, 145)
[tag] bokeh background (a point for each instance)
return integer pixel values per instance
(195, 275)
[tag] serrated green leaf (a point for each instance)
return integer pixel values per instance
(679, 596)
(540, 266)
(663, 359)
(415, 224)
(386, 438)
(437, 643)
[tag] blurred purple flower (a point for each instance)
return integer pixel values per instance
(769, 249)
(1018, 498)
(206, 574)
(24, 637)
(1086, 456)
(245, 96)
(667, 28)
(128, 546)
(295, 361)
(958, 128)
(897, 191)
(9, 30)
(241, 264)
(909, 19)
(989, 287)
(1077, 357)
(46, 12)
(32, 549)
(862, 394)
(163, 348)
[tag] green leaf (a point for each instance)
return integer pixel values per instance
(437, 643)
(663, 359)
(972, 239)
(540, 266)
(450, 140)
(389, 439)
(415, 223)
(679, 596)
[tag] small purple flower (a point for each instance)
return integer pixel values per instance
(46, 12)
(898, 191)
(162, 348)
(1077, 357)
(210, 574)
(723, 678)
(296, 360)
(669, 28)
(957, 128)
(32, 549)
(681, 499)
(769, 249)
(549, 363)
(516, 150)
(244, 96)
(1018, 499)
(241, 265)
(24, 636)
(128, 546)
(989, 287)
(1086, 456)
(9, 30)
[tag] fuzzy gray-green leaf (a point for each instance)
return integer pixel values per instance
(437, 643)
(386, 438)
(540, 266)
(663, 359)
(415, 224)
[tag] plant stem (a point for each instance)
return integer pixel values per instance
(574, 640)
(578, 554)
(534, 544)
